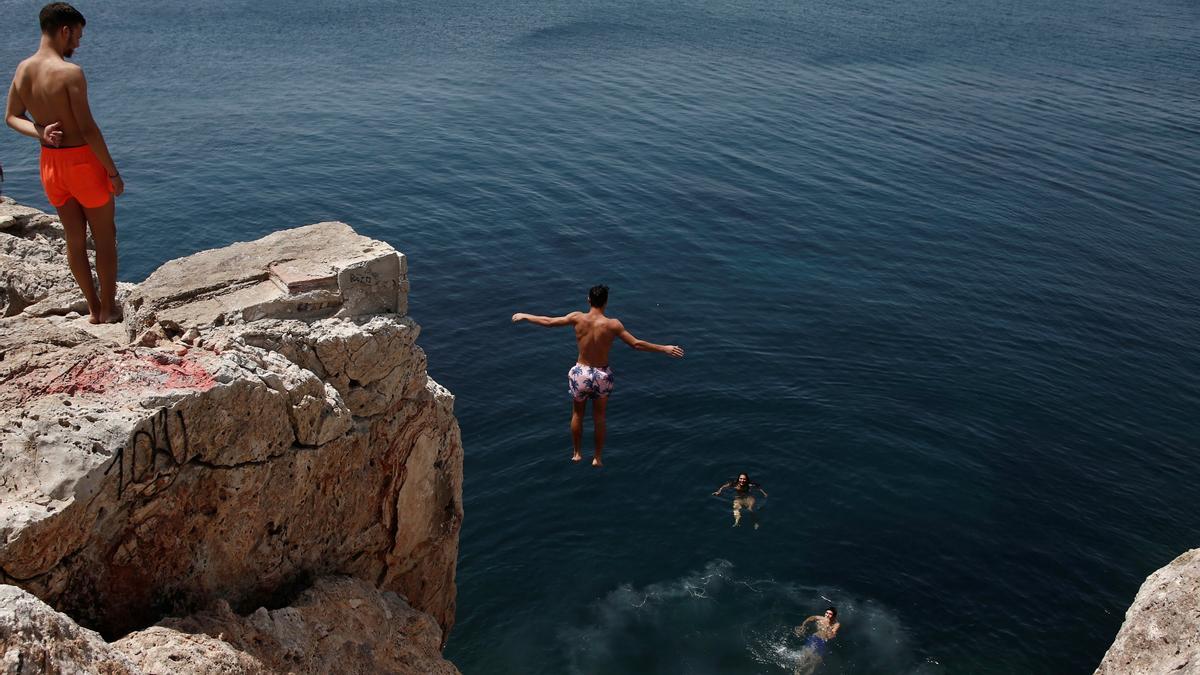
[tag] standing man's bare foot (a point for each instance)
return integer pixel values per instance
(576, 457)
(108, 315)
(596, 462)
(93, 317)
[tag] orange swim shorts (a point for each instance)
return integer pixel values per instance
(75, 172)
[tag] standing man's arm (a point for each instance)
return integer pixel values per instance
(14, 116)
(77, 93)
(548, 321)
(642, 346)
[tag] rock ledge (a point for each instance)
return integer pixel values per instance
(262, 423)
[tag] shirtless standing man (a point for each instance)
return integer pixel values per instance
(590, 377)
(78, 174)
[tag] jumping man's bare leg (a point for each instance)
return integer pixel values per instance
(599, 407)
(75, 229)
(578, 408)
(102, 222)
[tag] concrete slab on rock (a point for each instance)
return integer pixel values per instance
(311, 272)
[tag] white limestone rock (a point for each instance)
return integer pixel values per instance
(340, 625)
(35, 639)
(280, 426)
(1161, 633)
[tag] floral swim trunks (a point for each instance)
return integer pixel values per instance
(587, 382)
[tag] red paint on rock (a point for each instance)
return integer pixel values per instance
(84, 377)
(122, 371)
(185, 375)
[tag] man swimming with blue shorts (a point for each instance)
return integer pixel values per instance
(591, 379)
(816, 645)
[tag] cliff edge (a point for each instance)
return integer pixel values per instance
(257, 452)
(1161, 633)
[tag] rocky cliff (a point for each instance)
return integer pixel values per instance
(1161, 633)
(257, 451)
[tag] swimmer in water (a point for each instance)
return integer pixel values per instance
(742, 499)
(816, 645)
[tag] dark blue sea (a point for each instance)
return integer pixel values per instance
(934, 264)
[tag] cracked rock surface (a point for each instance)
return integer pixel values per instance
(1161, 633)
(263, 419)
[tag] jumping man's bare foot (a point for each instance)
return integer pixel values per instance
(596, 462)
(576, 457)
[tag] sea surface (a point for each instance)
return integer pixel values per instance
(934, 264)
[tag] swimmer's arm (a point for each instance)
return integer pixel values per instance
(722, 489)
(547, 321)
(799, 630)
(642, 346)
(77, 95)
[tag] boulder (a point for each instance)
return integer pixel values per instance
(35, 639)
(1161, 633)
(33, 260)
(263, 418)
(339, 625)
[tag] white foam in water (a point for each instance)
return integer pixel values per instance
(714, 621)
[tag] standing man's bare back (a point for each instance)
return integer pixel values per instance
(78, 174)
(591, 378)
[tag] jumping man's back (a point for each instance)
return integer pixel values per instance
(595, 333)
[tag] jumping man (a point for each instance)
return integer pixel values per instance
(78, 174)
(591, 378)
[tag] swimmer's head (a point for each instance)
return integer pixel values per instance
(831, 613)
(743, 478)
(598, 296)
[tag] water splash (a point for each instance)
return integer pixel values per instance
(714, 621)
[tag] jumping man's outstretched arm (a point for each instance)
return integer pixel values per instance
(673, 351)
(547, 321)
